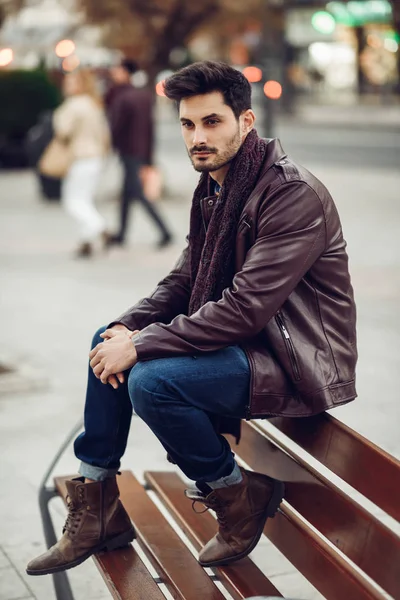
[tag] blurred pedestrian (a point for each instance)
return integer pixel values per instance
(131, 121)
(80, 121)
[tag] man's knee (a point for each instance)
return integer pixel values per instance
(96, 338)
(145, 380)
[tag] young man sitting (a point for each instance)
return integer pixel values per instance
(257, 318)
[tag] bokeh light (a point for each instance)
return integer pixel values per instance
(391, 45)
(323, 22)
(252, 74)
(273, 89)
(70, 63)
(6, 57)
(160, 88)
(65, 48)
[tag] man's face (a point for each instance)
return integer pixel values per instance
(211, 132)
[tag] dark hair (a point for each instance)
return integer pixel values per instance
(129, 65)
(205, 77)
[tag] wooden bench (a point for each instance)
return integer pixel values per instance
(322, 527)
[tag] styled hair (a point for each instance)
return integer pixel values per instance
(88, 83)
(129, 65)
(208, 76)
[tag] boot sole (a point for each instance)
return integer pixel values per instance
(270, 511)
(124, 539)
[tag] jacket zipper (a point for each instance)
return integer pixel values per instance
(289, 346)
(245, 222)
(248, 406)
(102, 532)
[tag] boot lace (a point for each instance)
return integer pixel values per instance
(216, 505)
(74, 516)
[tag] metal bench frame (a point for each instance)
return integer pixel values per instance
(61, 583)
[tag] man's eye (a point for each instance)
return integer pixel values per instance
(187, 125)
(212, 122)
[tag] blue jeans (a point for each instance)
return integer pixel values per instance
(177, 397)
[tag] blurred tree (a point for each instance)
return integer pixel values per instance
(25, 95)
(149, 30)
(8, 7)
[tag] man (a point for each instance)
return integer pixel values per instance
(131, 123)
(256, 319)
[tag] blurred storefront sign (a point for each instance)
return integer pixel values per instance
(305, 25)
(343, 45)
(334, 65)
(356, 14)
(301, 30)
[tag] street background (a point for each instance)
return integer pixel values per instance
(51, 304)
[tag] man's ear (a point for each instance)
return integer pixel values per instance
(247, 118)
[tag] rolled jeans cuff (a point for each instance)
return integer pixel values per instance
(96, 473)
(232, 479)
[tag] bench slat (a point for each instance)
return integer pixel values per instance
(177, 567)
(319, 563)
(371, 470)
(243, 579)
(126, 576)
(121, 567)
(357, 533)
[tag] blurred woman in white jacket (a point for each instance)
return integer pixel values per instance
(81, 123)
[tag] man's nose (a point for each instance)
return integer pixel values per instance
(199, 136)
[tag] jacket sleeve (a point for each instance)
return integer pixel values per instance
(290, 237)
(169, 299)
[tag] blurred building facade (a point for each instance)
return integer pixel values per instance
(34, 32)
(311, 46)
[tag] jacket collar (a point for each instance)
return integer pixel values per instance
(275, 152)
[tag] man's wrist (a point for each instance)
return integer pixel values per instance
(135, 338)
(117, 326)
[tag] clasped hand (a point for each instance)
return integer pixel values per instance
(116, 354)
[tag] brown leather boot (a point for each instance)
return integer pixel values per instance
(242, 511)
(96, 521)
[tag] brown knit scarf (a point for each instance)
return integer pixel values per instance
(212, 254)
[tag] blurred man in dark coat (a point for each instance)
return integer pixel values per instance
(131, 120)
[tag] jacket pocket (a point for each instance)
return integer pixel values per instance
(289, 346)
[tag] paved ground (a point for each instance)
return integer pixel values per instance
(51, 304)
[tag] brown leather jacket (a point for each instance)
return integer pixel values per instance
(290, 306)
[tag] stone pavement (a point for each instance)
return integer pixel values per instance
(51, 305)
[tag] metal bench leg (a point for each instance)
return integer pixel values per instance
(60, 580)
(61, 583)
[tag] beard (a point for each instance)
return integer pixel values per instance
(217, 158)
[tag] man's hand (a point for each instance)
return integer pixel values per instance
(115, 380)
(116, 327)
(113, 356)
